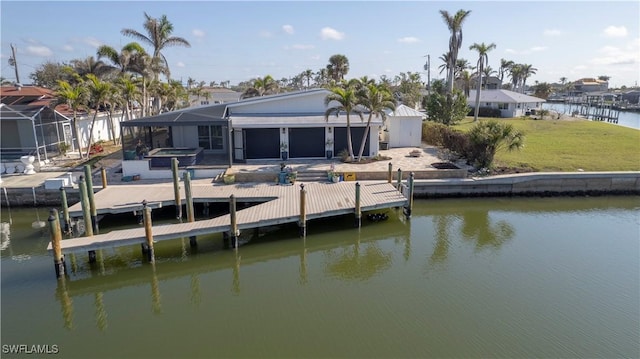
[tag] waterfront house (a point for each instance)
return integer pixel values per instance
(510, 104)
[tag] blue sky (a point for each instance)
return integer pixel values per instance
(237, 41)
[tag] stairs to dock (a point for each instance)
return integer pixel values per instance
(312, 176)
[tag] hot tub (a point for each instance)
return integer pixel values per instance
(161, 157)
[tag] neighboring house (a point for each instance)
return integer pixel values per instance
(29, 124)
(631, 97)
(510, 104)
(256, 128)
(589, 85)
(213, 95)
(32, 123)
(490, 83)
(403, 127)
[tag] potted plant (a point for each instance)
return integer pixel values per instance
(283, 151)
(329, 149)
(63, 148)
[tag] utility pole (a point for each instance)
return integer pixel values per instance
(13, 62)
(427, 67)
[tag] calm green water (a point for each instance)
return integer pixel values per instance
(463, 278)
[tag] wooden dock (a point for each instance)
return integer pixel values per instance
(281, 205)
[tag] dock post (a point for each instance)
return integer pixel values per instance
(176, 187)
(65, 210)
(103, 172)
(92, 202)
(409, 207)
(399, 185)
(357, 209)
(148, 231)
(302, 225)
(190, 210)
(390, 174)
(56, 238)
(86, 216)
(234, 221)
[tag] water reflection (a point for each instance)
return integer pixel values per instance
(356, 263)
(477, 228)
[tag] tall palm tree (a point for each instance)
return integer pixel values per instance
(147, 67)
(465, 79)
(486, 73)
(75, 97)
(308, 75)
(527, 71)
(376, 99)
(130, 93)
(483, 58)
(338, 67)
(454, 23)
(515, 72)
(345, 100)
(445, 59)
(461, 65)
(98, 95)
(158, 36)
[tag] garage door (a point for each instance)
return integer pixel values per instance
(340, 140)
(306, 142)
(262, 143)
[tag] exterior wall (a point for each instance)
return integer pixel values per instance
(312, 103)
(185, 136)
(101, 129)
(141, 168)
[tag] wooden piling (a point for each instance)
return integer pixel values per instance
(56, 238)
(390, 173)
(358, 211)
(189, 196)
(234, 221)
(65, 210)
(103, 172)
(84, 202)
(176, 187)
(409, 206)
(92, 201)
(148, 231)
(302, 224)
(399, 184)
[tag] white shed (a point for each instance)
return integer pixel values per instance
(403, 128)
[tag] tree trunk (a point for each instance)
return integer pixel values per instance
(475, 114)
(364, 138)
(93, 122)
(76, 134)
(349, 142)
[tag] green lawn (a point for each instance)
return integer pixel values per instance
(563, 145)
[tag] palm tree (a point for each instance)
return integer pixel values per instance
(73, 96)
(130, 93)
(90, 66)
(260, 87)
(465, 79)
(486, 73)
(515, 72)
(454, 23)
(505, 65)
(527, 71)
(483, 58)
(98, 95)
(377, 99)
(445, 59)
(147, 67)
(158, 36)
(308, 75)
(487, 137)
(121, 60)
(338, 67)
(461, 65)
(346, 100)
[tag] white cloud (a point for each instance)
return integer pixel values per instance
(328, 33)
(39, 50)
(288, 29)
(181, 64)
(537, 48)
(68, 48)
(265, 33)
(510, 51)
(408, 40)
(615, 31)
(611, 55)
(198, 33)
(552, 32)
(92, 42)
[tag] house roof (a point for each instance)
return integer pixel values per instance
(502, 96)
(299, 120)
(406, 111)
(187, 117)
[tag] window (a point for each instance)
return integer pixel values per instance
(210, 137)
(503, 106)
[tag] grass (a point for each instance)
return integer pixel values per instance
(570, 145)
